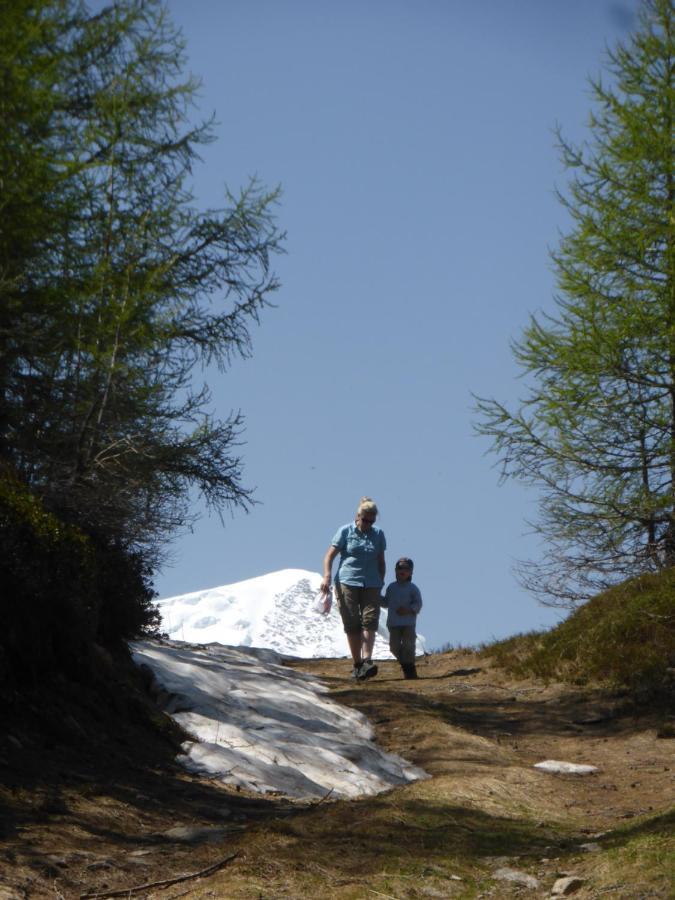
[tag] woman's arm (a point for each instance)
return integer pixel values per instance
(381, 565)
(331, 553)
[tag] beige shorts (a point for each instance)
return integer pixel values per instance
(359, 607)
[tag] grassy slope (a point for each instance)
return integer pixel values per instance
(624, 638)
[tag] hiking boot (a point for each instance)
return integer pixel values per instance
(367, 670)
(409, 671)
(356, 669)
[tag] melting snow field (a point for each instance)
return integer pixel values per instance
(266, 727)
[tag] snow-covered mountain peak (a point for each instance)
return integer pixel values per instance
(277, 610)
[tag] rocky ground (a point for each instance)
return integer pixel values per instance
(93, 804)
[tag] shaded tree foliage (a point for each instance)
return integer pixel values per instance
(62, 591)
(114, 286)
(596, 428)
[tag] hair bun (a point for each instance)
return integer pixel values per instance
(367, 504)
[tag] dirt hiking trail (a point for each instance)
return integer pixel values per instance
(120, 818)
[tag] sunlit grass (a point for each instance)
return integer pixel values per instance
(623, 638)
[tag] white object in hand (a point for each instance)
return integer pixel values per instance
(323, 602)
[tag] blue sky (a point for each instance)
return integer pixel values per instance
(414, 143)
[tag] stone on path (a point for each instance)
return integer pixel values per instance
(566, 886)
(516, 876)
(590, 847)
(555, 766)
(194, 834)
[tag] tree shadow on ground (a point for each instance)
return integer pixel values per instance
(490, 713)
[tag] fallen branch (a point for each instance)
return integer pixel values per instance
(316, 803)
(127, 892)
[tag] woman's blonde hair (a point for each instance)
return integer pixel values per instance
(367, 505)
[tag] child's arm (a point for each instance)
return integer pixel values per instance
(415, 604)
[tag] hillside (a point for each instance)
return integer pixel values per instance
(107, 823)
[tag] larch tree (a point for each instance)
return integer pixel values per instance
(32, 68)
(130, 287)
(595, 430)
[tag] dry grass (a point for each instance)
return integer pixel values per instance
(485, 807)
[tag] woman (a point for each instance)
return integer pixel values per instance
(358, 583)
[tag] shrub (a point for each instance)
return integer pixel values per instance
(62, 591)
(48, 605)
(125, 595)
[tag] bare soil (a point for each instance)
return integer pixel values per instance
(92, 803)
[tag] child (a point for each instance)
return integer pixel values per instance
(403, 601)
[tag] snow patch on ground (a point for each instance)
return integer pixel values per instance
(262, 726)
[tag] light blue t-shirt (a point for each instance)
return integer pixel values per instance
(403, 593)
(359, 552)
